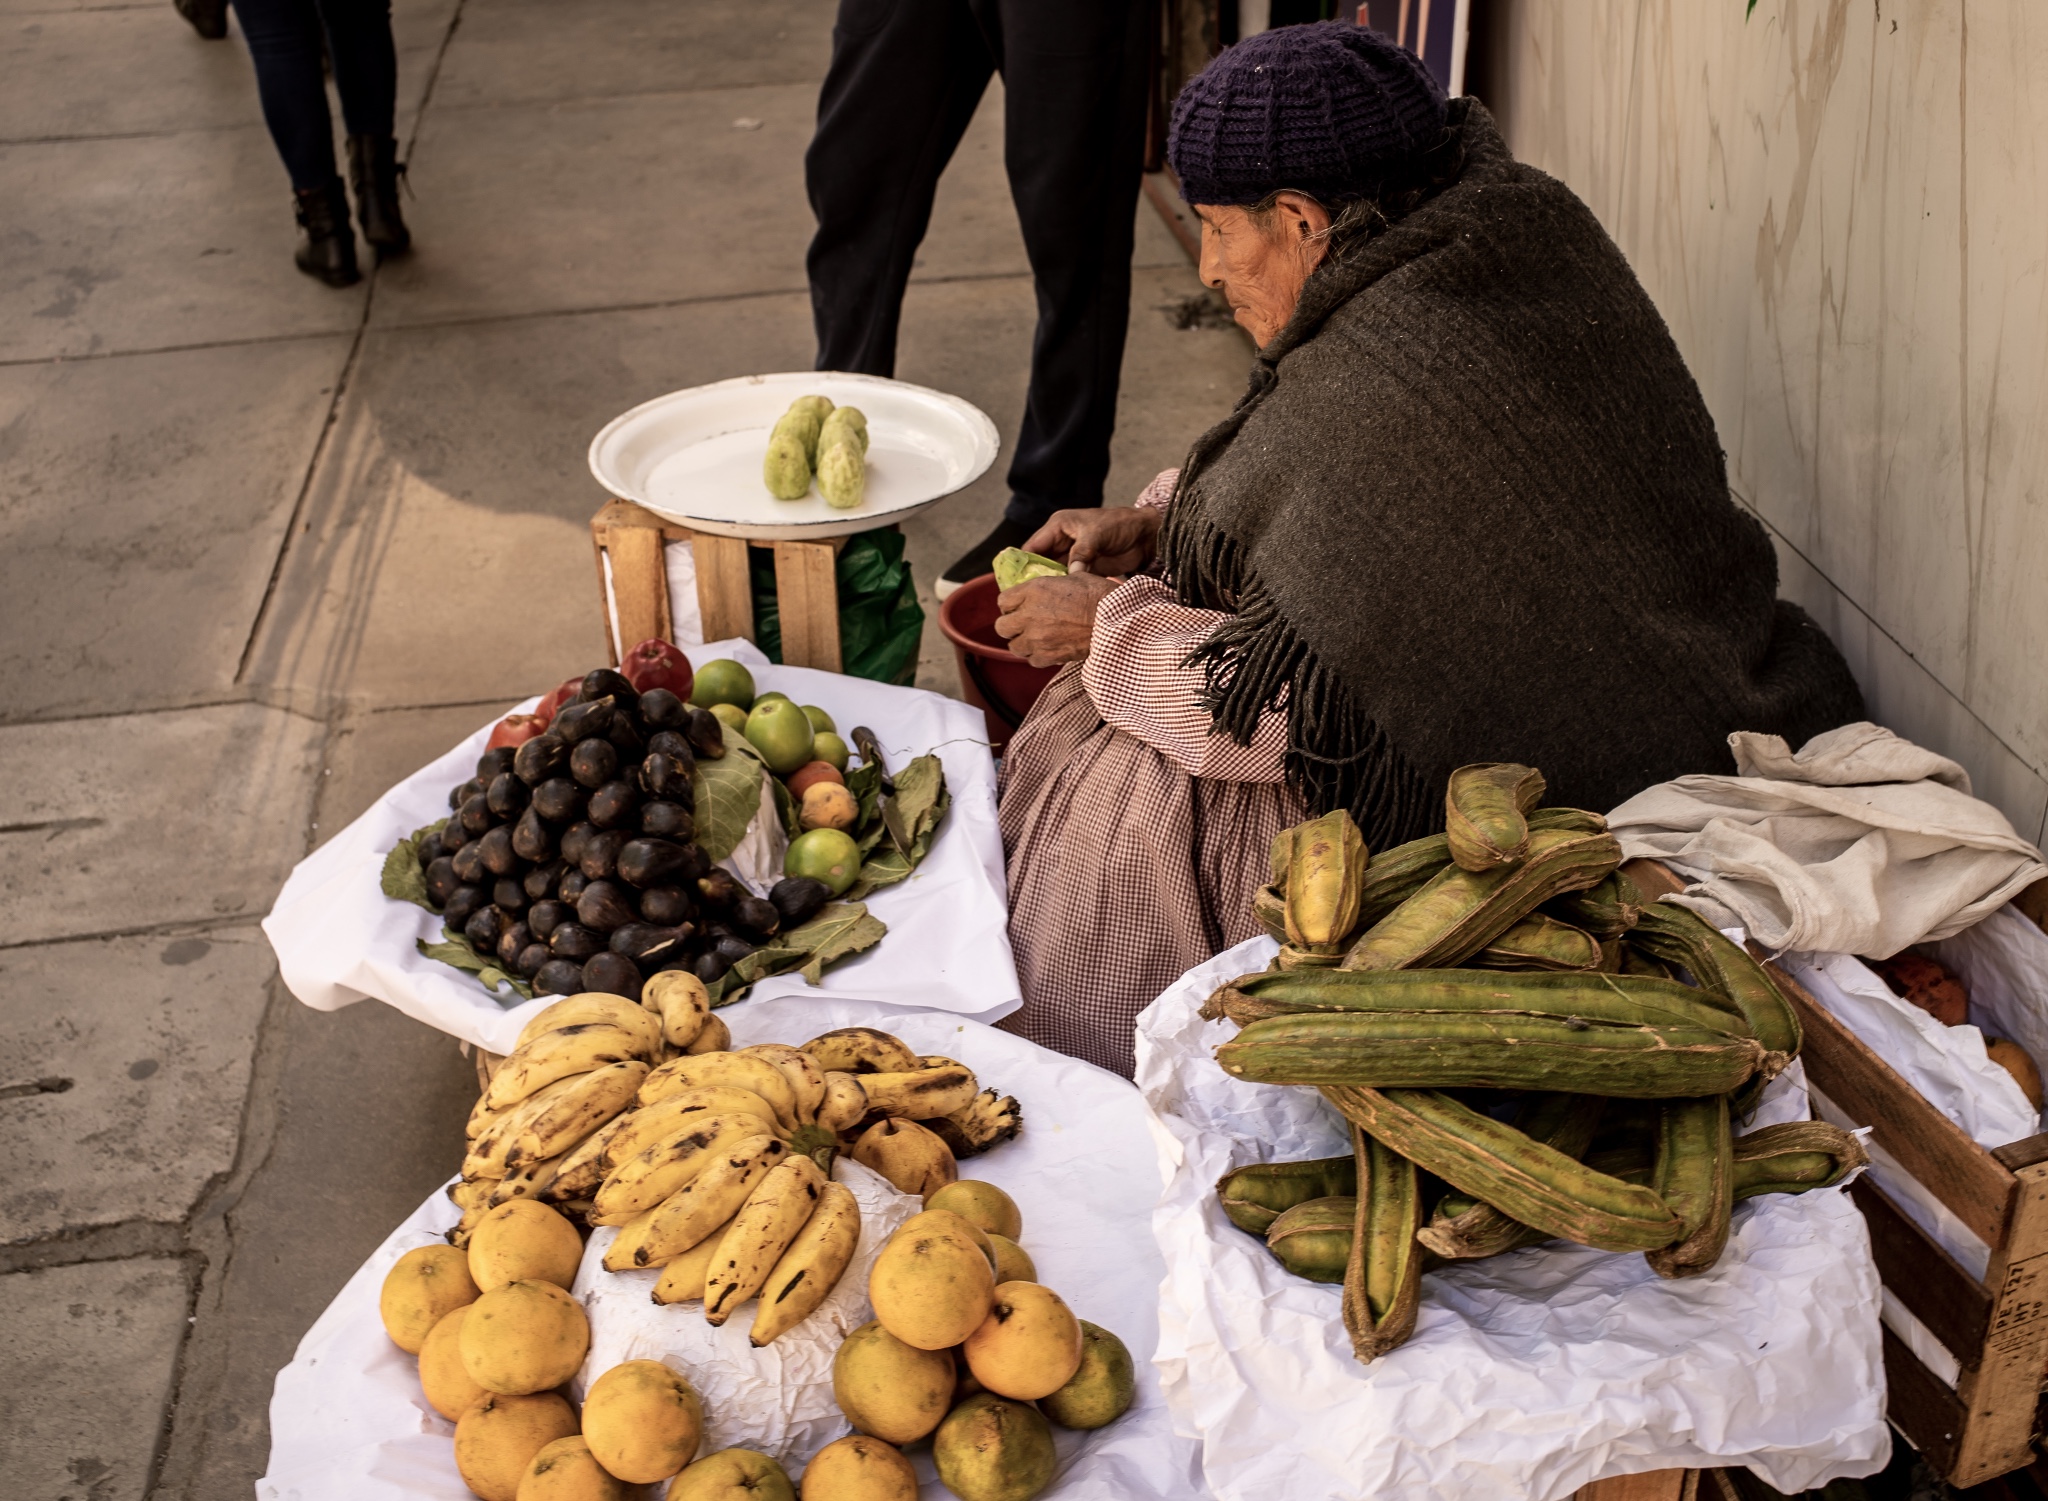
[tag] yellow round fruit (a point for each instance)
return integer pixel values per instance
(828, 805)
(443, 1376)
(893, 1391)
(990, 1449)
(644, 1421)
(1013, 1262)
(1029, 1346)
(524, 1337)
(566, 1470)
(497, 1439)
(732, 716)
(425, 1285)
(1102, 1390)
(859, 1468)
(522, 1241)
(915, 1159)
(947, 1220)
(723, 681)
(983, 1203)
(733, 1475)
(932, 1288)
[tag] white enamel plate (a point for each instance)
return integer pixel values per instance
(694, 457)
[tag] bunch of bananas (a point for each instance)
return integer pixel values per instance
(1522, 1047)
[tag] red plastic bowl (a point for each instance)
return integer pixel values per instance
(992, 677)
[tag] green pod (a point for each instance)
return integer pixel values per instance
(1486, 810)
(1254, 1195)
(1606, 911)
(842, 476)
(786, 469)
(1647, 966)
(1326, 868)
(1794, 1158)
(1383, 1272)
(1464, 1228)
(1538, 942)
(1313, 1240)
(1542, 1187)
(1269, 906)
(1678, 935)
(1694, 1174)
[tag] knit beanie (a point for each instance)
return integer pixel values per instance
(1329, 109)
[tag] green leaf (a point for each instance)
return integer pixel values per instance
(839, 929)
(454, 949)
(865, 783)
(922, 799)
(728, 794)
(786, 807)
(403, 879)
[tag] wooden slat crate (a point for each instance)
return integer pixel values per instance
(1996, 1327)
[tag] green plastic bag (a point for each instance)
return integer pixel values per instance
(880, 620)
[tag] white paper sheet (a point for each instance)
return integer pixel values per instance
(1529, 1374)
(348, 1423)
(339, 939)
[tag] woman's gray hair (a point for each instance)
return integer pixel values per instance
(1356, 220)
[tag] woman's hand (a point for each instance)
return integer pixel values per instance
(1102, 539)
(1050, 621)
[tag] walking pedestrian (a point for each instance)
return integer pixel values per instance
(207, 17)
(905, 79)
(285, 40)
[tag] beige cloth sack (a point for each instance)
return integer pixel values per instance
(1861, 843)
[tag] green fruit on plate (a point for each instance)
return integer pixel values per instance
(829, 747)
(827, 855)
(731, 714)
(820, 720)
(778, 730)
(723, 682)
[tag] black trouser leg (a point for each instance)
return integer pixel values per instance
(285, 39)
(904, 81)
(365, 64)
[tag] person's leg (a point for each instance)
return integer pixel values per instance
(366, 77)
(904, 81)
(284, 40)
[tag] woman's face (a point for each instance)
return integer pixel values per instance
(1260, 262)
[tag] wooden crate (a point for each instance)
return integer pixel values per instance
(806, 585)
(1997, 1327)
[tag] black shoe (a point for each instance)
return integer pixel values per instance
(373, 171)
(208, 17)
(329, 248)
(981, 558)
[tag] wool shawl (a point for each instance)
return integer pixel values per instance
(1472, 508)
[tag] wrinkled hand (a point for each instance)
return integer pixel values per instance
(1103, 539)
(1050, 621)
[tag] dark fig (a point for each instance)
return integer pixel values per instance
(601, 854)
(626, 738)
(715, 929)
(720, 888)
(559, 977)
(468, 864)
(580, 722)
(542, 880)
(532, 839)
(574, 838)
(508, 895)
(667, 777)
(612, 974)
(495, 762)
(485, 927)
(543, 917)
(570, 887)
(453, 836)
(604, 906)
(531, 961)
(574, 941)
(542, 757)
(757, 916)
(665, 906)
(652, 862)
(559, 800)
(710, 968)
(475, 815)
(706, 734)
(660, 709)
(798, 899)
(668, 821)
(613, 806)
(603, 682)
(732, 950)
(670, 743)
(432, 848)
(464, 793)
(442, 881)
(507, 796)
(512, 943)
(594, 762)
(496, 852)
(645, 944)
(462, 906)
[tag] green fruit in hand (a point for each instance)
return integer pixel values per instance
(731, 714)
(829, 747)
(1014, 565)
(778, 730)
(820, 720)
(1102, 1390)
(827, 855)
(723, 682)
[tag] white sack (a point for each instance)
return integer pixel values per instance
(1529, 1374)
(348, 1423)
(1862, 843)
(339, 939)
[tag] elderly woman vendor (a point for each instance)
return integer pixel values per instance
(1470, 508)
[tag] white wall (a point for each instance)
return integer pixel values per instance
(1841, 207)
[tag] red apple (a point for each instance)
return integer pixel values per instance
(515, 730)
(552, 704)
(656, 663)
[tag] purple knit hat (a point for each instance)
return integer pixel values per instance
(1329, 109)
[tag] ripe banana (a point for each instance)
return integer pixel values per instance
(682, 1280)
(650, 1176)
(488, 1154)
(624, 1253)
(582, 1167)
(811, 1267)
(679, 999)
(480, 1116)
(922, 1093)
(458, 1236)
(652, 1123)
(861, 1050)
(777, 1209)
(531, 1181)
(740, 1070)
(575, 1049)
(806, 1079)
(590, 1100)
(715, 1038)
(593, 1006)
(708, 1200)
(467, 1193)
(845, 1103)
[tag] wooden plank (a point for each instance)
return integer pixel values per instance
(1922, 1408)
(1937, 1289)
(2026, 1152)
(2001, 1395)
(725, 589)
(639, 584)
(807, 596)
(1651, 1485)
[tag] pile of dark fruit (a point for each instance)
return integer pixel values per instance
(571, 855)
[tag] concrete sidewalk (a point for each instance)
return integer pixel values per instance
(269, 546)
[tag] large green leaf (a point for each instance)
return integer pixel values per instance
(838, 929)
(921, 802)
(403, 880)
(457, 950)
(728, 794)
